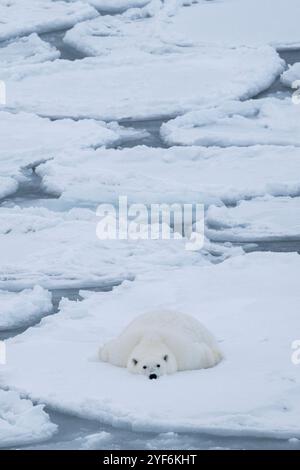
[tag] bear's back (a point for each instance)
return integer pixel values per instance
(173, 322)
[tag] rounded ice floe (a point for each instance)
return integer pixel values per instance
(177, 174)
(27, 50)
(21, 308)
(291, 75)
(250, 302)
(61, 249)
(20, 18)
(21, 422)
(240, 22)
(115, 6)
(155, 86)
(138, 34)
(262, 219)
(27, 139)
(268, 121)
(7, 186)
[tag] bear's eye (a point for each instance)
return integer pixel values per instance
(144, 367)
(157, 365)
(134, 362)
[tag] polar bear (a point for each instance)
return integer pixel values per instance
(162, 342)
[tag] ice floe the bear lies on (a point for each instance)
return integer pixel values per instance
(162, 342)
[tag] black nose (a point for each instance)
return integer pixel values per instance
(152, 376)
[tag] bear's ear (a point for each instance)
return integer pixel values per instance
(166, 357)
(134, 362)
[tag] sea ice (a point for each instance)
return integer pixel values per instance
(21, 422)
(261, 219)
(177, 174)
(291, 75)
(239, 22)
(20, 308)
(157, 86)
(26, 50)
(26, 140)
(254, 391)
(265, 121)
(61, 250)
(20, 17)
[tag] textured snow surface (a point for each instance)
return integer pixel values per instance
(115, 6)
(136, 34)
(26, 139)
(260, 219)
(20, 308)
(27, 50)
(7, 186)
(22, 17)
(239, 22)
(266, 121)
(158, 85)
(61, 249)
(21, 422)
(244, 300)
(291, 75)
(177, 174)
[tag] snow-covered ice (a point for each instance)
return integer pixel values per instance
(20, 308)
(8, 186)
(261, 219)
(239, 22)
(157, 86)
(177, 174)
(291, 75)
(196, 64)
(254, 391)
(21, 422)
(26, 139)
(27, 50)
(61, 249)
(21, 17)
(115, 6)
(265, 121)
(135, 34)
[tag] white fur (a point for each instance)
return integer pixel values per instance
(161, 343)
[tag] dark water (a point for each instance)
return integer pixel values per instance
(280, 246)
(152, 130)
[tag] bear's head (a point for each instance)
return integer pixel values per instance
(151, 357)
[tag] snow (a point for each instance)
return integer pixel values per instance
(94, 441)
(253, 392)
(158, 86)
(20, 17)
(21, 422)
(7, 186)
(196, 64)
(260, 219)
(239, 23)
(27, 50)
(136, 34)
(61, 250)
(177, 174)
(20, 308)
(291, 75)
(26, 139)
(115, 6)
(265, 121)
